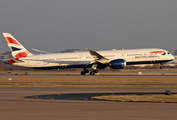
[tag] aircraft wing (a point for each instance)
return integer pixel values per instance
(97, 58)
(41, 51)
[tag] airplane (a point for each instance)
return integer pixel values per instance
(94, 60)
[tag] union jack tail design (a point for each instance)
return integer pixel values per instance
(16, 48)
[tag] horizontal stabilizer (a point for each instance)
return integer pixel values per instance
(3, 60)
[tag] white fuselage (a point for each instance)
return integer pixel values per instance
(81, 59)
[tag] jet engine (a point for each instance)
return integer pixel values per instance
(117, 64)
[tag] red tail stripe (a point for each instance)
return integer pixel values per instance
(10, 40)
(22, 54)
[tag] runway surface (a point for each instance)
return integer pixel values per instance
(89, 83)
(14, 107)
(109, 76)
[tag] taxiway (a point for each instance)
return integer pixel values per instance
(14, 106)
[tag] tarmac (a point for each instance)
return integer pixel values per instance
(90, 76)
(14, 106)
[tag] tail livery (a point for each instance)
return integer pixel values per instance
(16, 48)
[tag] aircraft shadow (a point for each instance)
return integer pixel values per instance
(85, 96)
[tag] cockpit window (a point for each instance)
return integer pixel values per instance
(168, 53)
(163, 53)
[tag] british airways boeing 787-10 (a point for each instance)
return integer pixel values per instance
(115, 59)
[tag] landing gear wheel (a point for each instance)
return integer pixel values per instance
(92, 73)
(83, 73)
(95, 71)
(86, 71)
(161, 67)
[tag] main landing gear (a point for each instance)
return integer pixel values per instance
(93, 72)
(84, 71)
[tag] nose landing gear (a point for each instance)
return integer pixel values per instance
(161, 65)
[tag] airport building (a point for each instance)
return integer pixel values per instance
(175, 52)
(5, 55)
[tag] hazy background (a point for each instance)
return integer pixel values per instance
(55, 25)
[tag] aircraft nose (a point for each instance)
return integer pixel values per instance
(172, 57)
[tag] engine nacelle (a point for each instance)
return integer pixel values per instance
(117, 64)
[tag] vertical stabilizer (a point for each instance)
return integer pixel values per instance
(16, 48)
